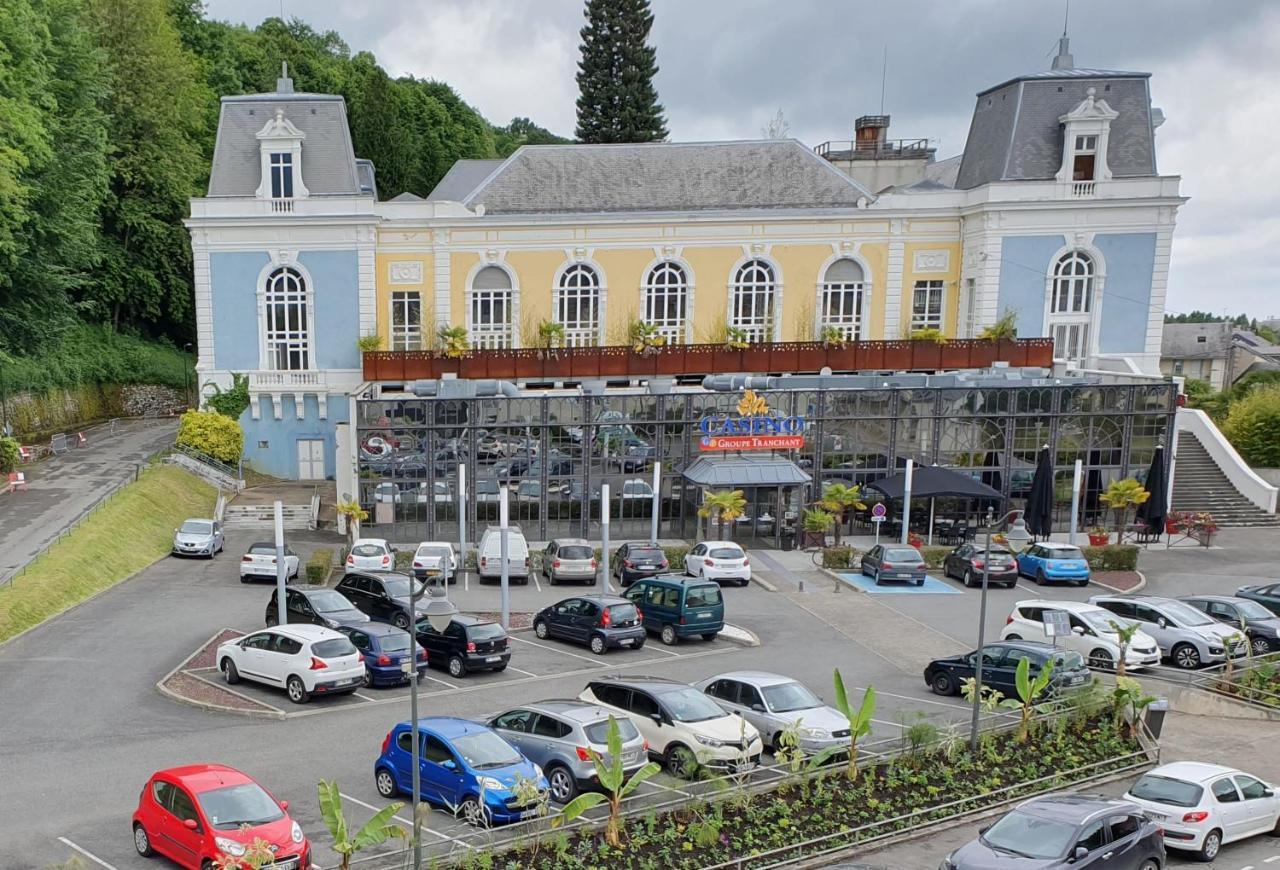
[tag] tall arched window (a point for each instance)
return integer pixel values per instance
(753, 300)
(288, 339)
(489, 309)
(577, 306)
(1071, 305)
(666, 300)
(842, 302)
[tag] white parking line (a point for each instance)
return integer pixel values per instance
(1027, 588)
(661, 650)
(1271, 860)
(85, 852)
(518, 671)
(363, 697)
(556, 650)
(535, 581)
(403, 820)
(436, 680)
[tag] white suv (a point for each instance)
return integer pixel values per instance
(1092, 634)
(304, 660)
(683, 726)
(718, 560)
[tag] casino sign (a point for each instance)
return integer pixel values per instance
(754, 427)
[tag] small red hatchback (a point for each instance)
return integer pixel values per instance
(195, 814)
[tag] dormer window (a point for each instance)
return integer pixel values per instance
(1085, 131)
(282, 176)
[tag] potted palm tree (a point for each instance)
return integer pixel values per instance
(817, 523)
(1120, 496)
(724, 506)
(454, 341)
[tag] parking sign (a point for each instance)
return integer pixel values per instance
(1056, 623)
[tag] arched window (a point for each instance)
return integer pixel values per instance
(489, 314)
(288, 339)
(753, 300)
(1071, 305)
(842, 302)
(577, 306)
(666, 300)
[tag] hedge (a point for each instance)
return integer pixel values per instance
(213, 434)
(1112, 557)
(404, 559)
(319, 565)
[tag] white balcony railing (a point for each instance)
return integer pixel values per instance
(285, 380)
(281, 206)
(1084, 188)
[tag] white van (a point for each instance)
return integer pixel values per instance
(489, 554)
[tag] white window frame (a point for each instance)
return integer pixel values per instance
(666, 287)
(934, 289)
(294, 343)
(578, 305)
(852, 324)
(1071, 311)
(487, 334)
(753, 301)
(282, 186)
(405, 335)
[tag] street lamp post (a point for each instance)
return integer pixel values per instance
(1017, 533)
(439, 612)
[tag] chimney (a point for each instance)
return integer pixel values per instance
(284, 84)
(871, 132)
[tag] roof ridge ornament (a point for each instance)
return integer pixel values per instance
(284, 84)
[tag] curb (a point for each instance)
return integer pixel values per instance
(763, 582)
(746, 639)
(1142, 582)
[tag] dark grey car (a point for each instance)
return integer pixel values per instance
(600, 622)
(894, 562)
(1065, 831)
(1260, 625)
(555, 735)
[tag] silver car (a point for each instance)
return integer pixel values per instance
(555, 735)
(569, 559)
(198, 538)
(1186, 636)
(772, 703)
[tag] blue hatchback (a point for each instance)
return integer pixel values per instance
(385, 649)
(465, 767)
(1047, 562)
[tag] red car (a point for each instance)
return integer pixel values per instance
(194, 814)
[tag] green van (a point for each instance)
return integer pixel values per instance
(676, 606)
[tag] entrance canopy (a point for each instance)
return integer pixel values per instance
(932, 481)
(744, 471)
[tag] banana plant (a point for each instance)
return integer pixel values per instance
(1124, 637)
(616, 787)
(859, 724)
(1128, 701)
(991, 698)
(374, 832)
(1029, 691)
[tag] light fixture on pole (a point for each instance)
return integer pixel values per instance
(1016, 534)
(439, 612)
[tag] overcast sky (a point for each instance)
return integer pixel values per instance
(727, 66)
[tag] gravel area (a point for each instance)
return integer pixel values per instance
(200, 692)
(204, 656)
(1122, 580)
(521, 619)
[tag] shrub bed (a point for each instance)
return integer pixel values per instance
(839, 558)
(319, 565)
(1112, 557)
(922, 786)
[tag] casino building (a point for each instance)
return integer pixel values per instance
(570, 316)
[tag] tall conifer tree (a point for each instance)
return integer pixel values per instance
(617, 101)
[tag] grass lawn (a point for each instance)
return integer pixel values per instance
(129, 532)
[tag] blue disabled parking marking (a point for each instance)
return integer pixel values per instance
(932, 586)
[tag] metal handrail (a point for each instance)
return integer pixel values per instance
(205, 459)
(874, 148)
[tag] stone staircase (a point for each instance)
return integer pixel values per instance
(1199, 485)
(263, 516)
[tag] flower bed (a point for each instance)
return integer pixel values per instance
(825, 811)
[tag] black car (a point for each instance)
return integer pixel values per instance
(1000, 668)
(600, 622)
(385, 597)
(317, 606)
(966, 562)
(634, 562)
(1065, 831)
(1268, 595)
(1260, 625)
(467, 644)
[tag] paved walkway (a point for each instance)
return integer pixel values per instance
(61, 488)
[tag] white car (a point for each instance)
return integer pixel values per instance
(371, 554)
(773, 703)
(304, 660)
(260, 562)
(434, 559)
(1202, 806)
(718, 560)
(1092, 634)
(683, 726)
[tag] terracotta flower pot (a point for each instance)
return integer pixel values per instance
(1099, 540)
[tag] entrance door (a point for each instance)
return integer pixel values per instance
(311, 459)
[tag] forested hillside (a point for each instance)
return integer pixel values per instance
(108, 110)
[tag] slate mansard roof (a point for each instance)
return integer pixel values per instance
(677, 177)
(328, 160)
(1015, 133)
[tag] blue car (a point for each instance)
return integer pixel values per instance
(465, 768)
(385, 649)
(1049, 562)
